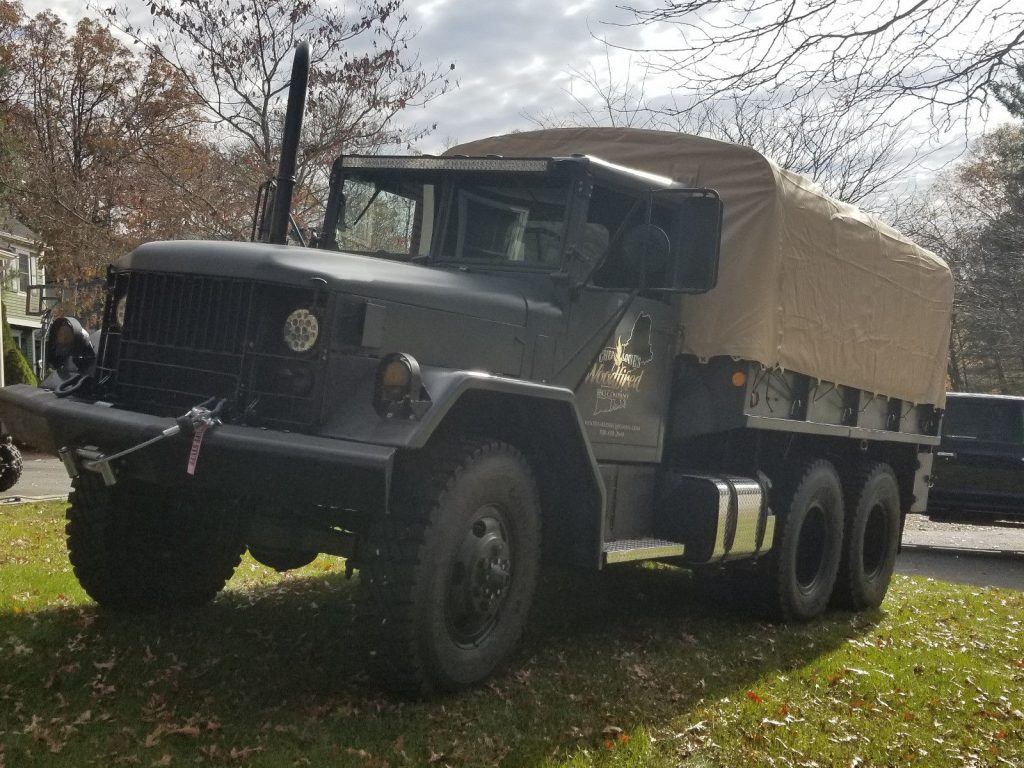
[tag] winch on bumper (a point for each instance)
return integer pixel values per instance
(301, 467)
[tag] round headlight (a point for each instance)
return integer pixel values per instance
(300, 330)
(119, 311)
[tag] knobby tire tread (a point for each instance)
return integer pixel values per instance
(114, 581)
(390, 565)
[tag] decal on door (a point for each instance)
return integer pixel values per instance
(619, 369)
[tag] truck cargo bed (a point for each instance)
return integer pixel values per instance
(724, 394)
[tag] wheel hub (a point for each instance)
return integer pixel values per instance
(481, 574)
(811, 544)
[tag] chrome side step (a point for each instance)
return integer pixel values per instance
(624, 550)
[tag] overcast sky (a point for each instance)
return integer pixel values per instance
(510, 56)
(514, 57)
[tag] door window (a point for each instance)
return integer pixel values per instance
(993, 421)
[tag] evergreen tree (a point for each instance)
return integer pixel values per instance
(16, 368)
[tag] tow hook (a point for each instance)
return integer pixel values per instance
(195, 423)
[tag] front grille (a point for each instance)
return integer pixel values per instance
(188, 312)
(187, 338)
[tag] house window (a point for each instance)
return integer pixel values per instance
(24, 278)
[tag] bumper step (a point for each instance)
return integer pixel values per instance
(625, 550)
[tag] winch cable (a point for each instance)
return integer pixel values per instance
(198, 416)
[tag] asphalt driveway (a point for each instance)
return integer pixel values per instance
(43, 477)
(983, 555)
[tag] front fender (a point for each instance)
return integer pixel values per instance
(353, 417)
(541, 418)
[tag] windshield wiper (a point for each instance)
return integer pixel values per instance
(376, 192)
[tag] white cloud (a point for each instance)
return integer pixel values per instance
(577, 8)
(512, 57)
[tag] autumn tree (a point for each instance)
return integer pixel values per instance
(234, 57)
(96, 125)
(973, 217)
(996, 283)
(11, 29)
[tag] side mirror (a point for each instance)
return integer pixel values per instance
(648, 248)
(694, 218)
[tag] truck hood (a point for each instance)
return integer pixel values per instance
(497, 298)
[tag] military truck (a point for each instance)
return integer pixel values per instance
(601, 346)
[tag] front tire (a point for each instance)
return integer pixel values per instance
(137, 548)
(871, 540)
(448, 577)
(804, 566)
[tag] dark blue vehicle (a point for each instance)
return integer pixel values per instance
(978, 473)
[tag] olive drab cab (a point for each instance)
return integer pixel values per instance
(606, 345)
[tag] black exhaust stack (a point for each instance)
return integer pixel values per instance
(280, 216)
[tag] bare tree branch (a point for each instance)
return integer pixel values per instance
(856, 153)
(938, 55)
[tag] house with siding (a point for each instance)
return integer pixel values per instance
(20, 252)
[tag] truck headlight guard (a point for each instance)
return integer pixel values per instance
(301, 329)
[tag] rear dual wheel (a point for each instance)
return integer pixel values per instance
(871, 538)
(837, 542)
(808, 549)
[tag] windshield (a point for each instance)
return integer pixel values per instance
(379, 220)
(509, 221)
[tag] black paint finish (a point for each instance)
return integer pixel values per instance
(979, 466)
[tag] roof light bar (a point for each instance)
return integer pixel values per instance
(653, 177)
(445, 163)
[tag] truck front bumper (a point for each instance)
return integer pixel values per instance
(296, 467)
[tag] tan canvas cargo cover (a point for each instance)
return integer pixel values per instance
(806, 282)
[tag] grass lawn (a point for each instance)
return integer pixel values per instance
(625, 668)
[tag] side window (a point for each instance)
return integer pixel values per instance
(609, 215)
(514, 225)
(994, 421)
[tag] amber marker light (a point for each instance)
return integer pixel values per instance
(396, 374)
(739, 379)
(398, 379)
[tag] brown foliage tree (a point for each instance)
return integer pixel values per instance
(94, 120)
(974, 219)
(11, 19)
(234, 56)
(11, 31)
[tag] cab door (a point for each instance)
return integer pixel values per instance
(623, 393)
